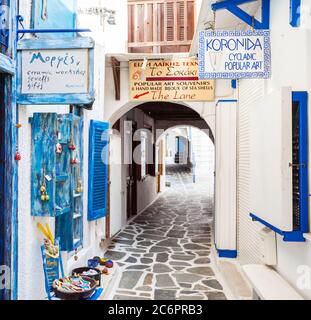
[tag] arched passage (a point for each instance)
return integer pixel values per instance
(138, 129)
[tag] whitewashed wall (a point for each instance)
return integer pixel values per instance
(290, 68)
(225, 205)
(30, 275)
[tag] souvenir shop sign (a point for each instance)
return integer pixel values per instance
(168, 80)
(234, 54)
(56, 71)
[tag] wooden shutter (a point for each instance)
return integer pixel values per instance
(43, 161)
(98, 170)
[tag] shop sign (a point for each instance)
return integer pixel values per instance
(168, 80)
(4, 23)
(234, 54)
(59, 75)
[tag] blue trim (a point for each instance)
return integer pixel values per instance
(288, 236)
(302, 99)
(7, 65)
(233, 84)
(232, 6)
(32, 31)
(232, 254)
(298, 235)
(226, 101)
(295, 6)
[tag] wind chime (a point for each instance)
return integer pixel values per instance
(17, 156)
(43, 190)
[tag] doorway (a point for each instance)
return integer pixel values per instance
(131, 180)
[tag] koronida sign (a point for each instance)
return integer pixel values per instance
(234, 54)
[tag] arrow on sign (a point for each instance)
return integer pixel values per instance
(140, 95)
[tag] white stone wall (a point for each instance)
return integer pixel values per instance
(30, 275)
(290, 68)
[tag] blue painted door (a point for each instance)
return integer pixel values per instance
(3, 227)
(69, 187)
(43, 160)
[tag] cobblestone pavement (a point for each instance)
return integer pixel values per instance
(164, 254)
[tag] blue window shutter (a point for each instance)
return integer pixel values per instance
(98, 169)
(43, 159)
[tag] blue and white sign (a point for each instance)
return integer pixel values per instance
(56, 71)
(234, 54)
(4, 23)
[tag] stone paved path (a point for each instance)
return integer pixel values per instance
(164, 254)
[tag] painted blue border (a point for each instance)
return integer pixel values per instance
(232, 254)
(298, 235)
(295, 7)
(7, 65)
(204, 74)
(288, 236)
(232, 6)
(52, 99)
(302, 99)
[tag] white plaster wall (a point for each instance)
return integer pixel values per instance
(225, 165)
(291, 67)
(30, 275)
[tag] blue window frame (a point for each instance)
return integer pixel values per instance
(295, 6)
(300, 172)
(98, 169)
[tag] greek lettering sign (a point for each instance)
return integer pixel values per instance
(234, 54)
(168, 80)
(54, 71)
(4, 23)
(58, 71)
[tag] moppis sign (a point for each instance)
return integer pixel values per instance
(234, 54)
(57, 71)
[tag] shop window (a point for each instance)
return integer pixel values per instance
(98, 170)
(57, 183)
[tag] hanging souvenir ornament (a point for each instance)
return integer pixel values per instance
(18, 156)
(59, 148)
(43, 190)
(74, 161)
(71, 145)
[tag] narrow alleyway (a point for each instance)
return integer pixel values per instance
(165, 252)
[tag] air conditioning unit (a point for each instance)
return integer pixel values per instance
(267, 246)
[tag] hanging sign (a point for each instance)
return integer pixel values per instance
(168, 80)
(4, 23)
(56, 71)
(234, 54)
